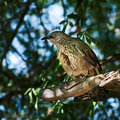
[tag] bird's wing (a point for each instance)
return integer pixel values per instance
(88, 54)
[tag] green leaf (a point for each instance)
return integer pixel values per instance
(70, 23)
(28, 90)
(36, 103)
(64, 28)
(37, 91)
(91, 38)
(45, 84)
(42, 76)
(62, 22)
(73, 16)
(34, 92)
(30, 96)
(88, 40)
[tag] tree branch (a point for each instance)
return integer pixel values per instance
(16, 30)
(109, 59)
(110, 81)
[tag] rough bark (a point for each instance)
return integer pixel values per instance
(110, 81)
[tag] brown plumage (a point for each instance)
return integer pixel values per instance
(76, 57)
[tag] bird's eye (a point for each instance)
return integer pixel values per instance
(52, 36)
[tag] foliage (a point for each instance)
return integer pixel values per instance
(28, 64)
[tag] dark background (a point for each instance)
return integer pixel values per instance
(27, 62)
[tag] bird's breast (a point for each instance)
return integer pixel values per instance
(73, 64)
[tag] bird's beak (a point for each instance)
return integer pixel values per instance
(45, 38)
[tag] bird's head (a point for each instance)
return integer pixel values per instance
(56, 37)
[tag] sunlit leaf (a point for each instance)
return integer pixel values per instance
(28, 90)
(36, 103)
(30, 96)
(34, 92)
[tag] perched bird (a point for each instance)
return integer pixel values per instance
(78, 60)
(76, 57)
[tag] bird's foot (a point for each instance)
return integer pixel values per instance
(81, 76)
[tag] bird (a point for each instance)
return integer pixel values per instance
(76, 57)
(78, 60)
